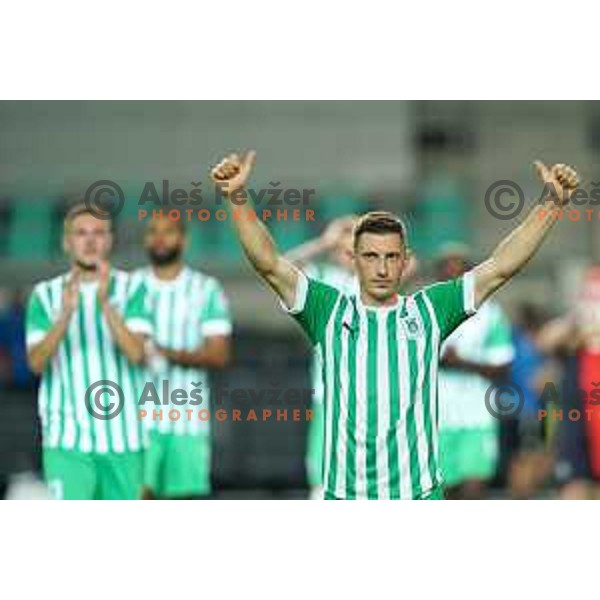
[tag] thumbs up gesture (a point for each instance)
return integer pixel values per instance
(233, 171)
(559, 181)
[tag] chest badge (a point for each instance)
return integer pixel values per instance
(412, 327)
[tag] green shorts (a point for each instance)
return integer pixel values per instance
(468, 454)
(74, 475)
(177, 465)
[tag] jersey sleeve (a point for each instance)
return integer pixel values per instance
(453, 302)
(499, 348)
(312, 306)
(38, 321)
(137, 314)
(215, 316)
(313, 270)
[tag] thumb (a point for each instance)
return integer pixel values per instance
(541, 170)
(249, 160)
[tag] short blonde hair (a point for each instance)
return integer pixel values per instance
(81, 208)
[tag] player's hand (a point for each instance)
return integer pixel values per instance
(233, 171)
(70, 297)
(450, 359)
(335, 231)
(103, 281)
(561, 180)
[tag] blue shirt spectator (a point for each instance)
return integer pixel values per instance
(12, 344)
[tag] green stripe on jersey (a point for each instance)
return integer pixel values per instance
(86, 354)
(185, 311)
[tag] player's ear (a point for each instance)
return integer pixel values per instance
(65, 243)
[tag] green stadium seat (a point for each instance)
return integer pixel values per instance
(30, 233)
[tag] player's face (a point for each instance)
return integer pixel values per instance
(88, 240)
(379, 261)
(164, 241)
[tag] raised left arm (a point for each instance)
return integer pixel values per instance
(515, 251)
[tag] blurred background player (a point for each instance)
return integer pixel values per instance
(525, 461)
(82, 327)
(327, 258)
(575, 338)
(475, 356)
(192, 332)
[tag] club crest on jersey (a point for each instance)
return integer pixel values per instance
(412, 327)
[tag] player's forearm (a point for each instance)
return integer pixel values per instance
(514, 251)
(40, 353)
(517, 249)
(131, 344)
(200, 358)
(488, 371)
(257, 243)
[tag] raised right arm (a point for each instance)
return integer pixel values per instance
(231, 174)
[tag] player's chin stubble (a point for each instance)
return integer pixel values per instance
(161, 259)
(89, 267)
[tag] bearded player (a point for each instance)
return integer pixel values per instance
(192, 333)
(380, 349)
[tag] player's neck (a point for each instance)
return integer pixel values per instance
(168, 272)
(371, 302)
(86, 275)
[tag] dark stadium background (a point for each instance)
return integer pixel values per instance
(429, 161)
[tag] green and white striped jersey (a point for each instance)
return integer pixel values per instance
(485, 339)
(186, 310)
(340, 279)
(380, 371)
(88, 354)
